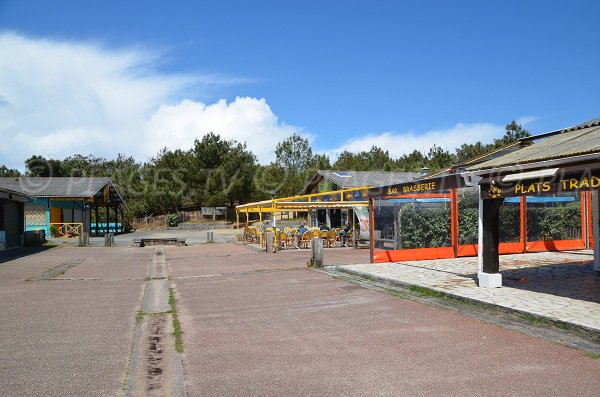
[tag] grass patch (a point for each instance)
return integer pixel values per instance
(425, 291)
(139, 315)
(593, 356)
(176, 324)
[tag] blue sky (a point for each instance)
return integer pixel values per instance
(108, 77)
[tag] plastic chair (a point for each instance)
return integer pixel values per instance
(332, 238)
(306, 237)
(282, 240)
(324, 234)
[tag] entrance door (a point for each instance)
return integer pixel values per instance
(55, 215)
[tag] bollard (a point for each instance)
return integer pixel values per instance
(316, 253)
(210, 237)
(106, 240)
(112, 239)
(269, 242)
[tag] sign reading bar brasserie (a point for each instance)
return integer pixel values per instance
(431, 185)
(566, 183)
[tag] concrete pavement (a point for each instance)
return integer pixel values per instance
(558, 286)
(254, 324)
(68, 337)
(254, 328)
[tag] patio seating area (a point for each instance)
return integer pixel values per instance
(291, 238)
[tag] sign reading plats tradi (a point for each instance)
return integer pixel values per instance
(562, 184)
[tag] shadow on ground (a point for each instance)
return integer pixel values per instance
(20, 252)
(576, 280)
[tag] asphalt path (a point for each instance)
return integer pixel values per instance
(258, 324)
(264, 324)
(69, 337)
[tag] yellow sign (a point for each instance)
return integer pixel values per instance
(583, 183)
(419, 187)
(566, 185)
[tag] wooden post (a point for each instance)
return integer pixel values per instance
(490, 277)
(97, 215)
(269, 242)
(107, 219)
(122, 219)
(372, 227)
(316, 253)
(116, 219)
(596, 229)
(491, 235)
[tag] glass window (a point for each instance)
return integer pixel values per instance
(556, 217)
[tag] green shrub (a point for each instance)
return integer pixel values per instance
(554, 223)
(425, 227)
(172, 220)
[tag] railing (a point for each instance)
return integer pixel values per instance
(66, 230)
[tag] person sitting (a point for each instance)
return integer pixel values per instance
(323, 227)
(344, 233)
(300, 233)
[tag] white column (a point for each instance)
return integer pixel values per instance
(328, 218)
(596, 229)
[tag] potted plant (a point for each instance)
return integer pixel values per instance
(53, 231)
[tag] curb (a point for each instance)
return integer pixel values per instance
(406, 285)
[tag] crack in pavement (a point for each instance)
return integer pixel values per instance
(56, 271)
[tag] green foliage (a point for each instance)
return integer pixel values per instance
(172, 220)
(513, 132)
(438, 158)
(374, 159)
(554, 223)
(40, 166)
(425, 227)
(9, 172)
(217, 172)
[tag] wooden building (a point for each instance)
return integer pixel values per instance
(68, 206)
(541, 194)
(12, 216)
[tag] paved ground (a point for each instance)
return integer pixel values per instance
(556, 285)
(257, 324)
(68, 337)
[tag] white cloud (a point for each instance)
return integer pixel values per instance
(58, 98)
(247, 120)
(399, 143)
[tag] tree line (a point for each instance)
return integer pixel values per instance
(218, 172)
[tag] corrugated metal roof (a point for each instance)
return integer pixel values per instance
(14, 192)
(574, 141)
(350, 179)
(56, 186)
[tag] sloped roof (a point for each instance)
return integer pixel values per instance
(10, 192)
(350, 179)
(574, 141)
(56, 186)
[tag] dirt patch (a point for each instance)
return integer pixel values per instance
(155, 353)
